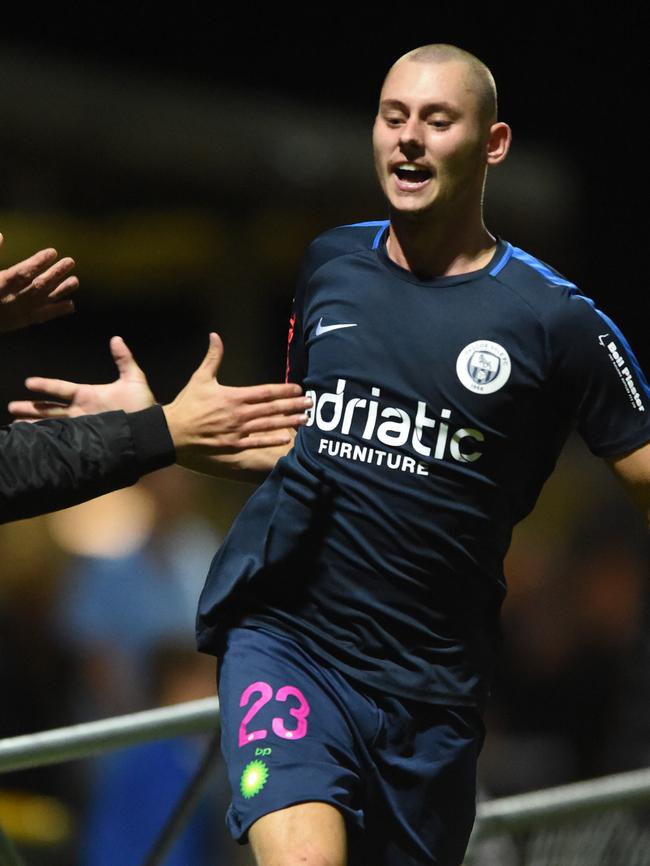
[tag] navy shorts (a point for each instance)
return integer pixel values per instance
(402, 773)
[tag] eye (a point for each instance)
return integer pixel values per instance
(393, 119)
(440, 124)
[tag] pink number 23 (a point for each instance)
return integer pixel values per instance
(266, 694)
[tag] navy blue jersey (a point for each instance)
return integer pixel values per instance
(440, 408)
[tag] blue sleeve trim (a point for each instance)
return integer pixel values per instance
(364, 225)
(619, 334)
(541, 268)
(503, 261)
(382, 224)
(382, 229)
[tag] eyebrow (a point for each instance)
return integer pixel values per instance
(428, 108)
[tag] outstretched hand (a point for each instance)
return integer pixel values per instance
(208, 420)
(36, 290)
(130, 392)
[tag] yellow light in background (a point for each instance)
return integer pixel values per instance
(33, 819)
(142, 250)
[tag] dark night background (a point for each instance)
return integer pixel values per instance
(573, 191)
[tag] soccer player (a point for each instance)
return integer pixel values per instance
(354, 604)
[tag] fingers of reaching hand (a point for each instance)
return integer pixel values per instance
(37, 290)
(64, 289)
(274, 414)
(51, 280)
(272, 422)
(213, 358)
(60, 389)
(35, 410)
(268, 439)
(52, 311)
(123, 357)
(21, 275)
(255, 394)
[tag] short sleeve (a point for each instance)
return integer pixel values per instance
(323, 249)
(597, 378)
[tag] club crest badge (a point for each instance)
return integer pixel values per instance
(483, 367)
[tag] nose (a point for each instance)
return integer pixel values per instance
(411, 133)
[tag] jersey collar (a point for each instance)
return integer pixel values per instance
(502, 254)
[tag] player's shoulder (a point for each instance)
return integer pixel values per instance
(534, 281)
(350, 237)
(342, 240)
(537, 284)
(557, 303)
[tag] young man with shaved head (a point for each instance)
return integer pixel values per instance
(354, 605)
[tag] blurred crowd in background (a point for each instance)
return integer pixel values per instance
(187, 202)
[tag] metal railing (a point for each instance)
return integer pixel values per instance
(505, 815)
(92, 738)
(562, 811)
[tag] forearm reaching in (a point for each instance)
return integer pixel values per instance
(216, 429)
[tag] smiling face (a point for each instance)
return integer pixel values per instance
(430, 138)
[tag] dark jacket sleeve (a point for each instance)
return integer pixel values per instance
(60, 462)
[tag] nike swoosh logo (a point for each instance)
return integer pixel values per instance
(601, 338)
(323, 329)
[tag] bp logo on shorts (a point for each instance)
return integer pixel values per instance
(253, 778)
(483, 367)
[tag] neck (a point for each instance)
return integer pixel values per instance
(438, 248)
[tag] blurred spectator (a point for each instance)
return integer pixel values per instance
(137, 789)
(577, 576)
(140, 559)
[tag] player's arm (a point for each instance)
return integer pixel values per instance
(36, 290)
(597, 380)
(633, 471)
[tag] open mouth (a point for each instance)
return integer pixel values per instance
(410, 176)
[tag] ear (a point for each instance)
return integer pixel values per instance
(498, 143)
